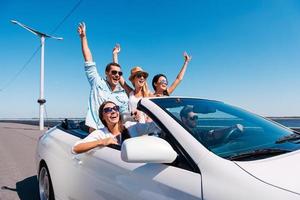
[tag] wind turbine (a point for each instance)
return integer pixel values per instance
(42, 36)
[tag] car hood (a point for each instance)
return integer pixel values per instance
(281, 171)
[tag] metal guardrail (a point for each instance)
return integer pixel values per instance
(51, 123)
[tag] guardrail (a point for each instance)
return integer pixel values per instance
(51, 123)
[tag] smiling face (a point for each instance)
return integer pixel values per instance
(110, 114)
(161, 84)
(113, 75)
(139, 80)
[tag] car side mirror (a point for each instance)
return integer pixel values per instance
(147, 149)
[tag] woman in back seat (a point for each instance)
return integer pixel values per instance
(114, 132)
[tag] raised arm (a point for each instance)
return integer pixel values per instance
(87, 55)
(124, 85)
(116, 51)
(179, 77)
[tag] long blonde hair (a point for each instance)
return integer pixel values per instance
(134, 71)
(145, 89)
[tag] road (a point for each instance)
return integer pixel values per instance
(18, 180)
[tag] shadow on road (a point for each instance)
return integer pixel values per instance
(27, 189)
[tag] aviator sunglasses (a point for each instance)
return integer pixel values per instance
(114, 72)
(163, 82)
(110, 109)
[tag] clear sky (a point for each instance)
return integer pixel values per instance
(245, 53)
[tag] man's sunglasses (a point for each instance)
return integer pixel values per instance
(110, 109)
(114, 72)
(195, 117)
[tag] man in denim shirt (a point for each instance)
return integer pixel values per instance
(101, 89)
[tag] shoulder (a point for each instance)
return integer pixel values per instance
(131, 94)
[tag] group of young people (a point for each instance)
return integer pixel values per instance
(111, 96)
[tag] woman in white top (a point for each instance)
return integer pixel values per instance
(114, 131)
(138, 78)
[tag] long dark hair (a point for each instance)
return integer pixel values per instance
(124, 132)
(100, 112)
(155, 79)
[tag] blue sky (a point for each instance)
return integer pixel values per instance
(245, 53)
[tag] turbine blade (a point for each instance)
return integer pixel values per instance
(38, 33)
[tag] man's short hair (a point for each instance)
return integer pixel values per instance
(185, 111)
(108, 66)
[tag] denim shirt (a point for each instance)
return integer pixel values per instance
(100, 92)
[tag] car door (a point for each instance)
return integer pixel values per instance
(102, 174)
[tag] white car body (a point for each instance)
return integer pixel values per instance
(102, 174)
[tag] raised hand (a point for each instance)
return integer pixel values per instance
(117, 49)
(81, 29)
(187, 58)
(137, 115)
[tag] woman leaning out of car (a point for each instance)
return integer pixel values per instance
(160, 81)
(114, 132)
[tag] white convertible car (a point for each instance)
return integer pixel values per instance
(228, 154)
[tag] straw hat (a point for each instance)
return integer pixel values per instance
(135, 71)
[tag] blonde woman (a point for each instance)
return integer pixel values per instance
(138, 78)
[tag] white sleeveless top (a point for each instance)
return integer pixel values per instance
(133, 101)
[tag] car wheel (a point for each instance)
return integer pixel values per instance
(45, 184)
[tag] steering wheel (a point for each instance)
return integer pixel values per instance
(232, 130)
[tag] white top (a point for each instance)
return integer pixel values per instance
(134, 129)
(133, 101)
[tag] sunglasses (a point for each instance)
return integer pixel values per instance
(141, 75)
(195, 117)
(163, 82)
(114, 72)
(111, 109)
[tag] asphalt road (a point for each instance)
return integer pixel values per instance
(18, 178)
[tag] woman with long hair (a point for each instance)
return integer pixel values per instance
(114, 132)
(160, 81)
(138, 78)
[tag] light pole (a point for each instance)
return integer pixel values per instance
(42, 36)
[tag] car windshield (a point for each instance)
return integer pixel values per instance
(226, 130)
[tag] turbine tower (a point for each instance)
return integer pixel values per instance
(42, 36)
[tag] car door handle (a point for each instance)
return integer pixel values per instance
(77, 160)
